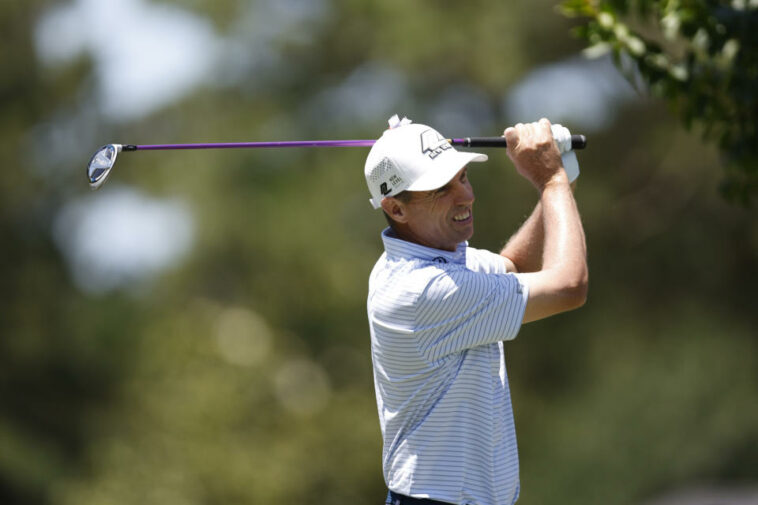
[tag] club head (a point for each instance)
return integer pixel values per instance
(101, 164)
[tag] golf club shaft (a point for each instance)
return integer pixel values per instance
(577, 142)
(237, 145)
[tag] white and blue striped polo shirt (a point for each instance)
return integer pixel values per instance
(437, 320)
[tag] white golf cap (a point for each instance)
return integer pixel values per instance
(412, 157)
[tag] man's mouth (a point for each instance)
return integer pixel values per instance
(463, 216)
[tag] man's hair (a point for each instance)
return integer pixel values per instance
(403, 196)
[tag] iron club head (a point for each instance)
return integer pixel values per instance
(101, 163)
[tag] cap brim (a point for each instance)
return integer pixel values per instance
(437, 178)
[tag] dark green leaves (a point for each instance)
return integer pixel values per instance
(701, 57)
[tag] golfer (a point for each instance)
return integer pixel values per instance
(439, 310)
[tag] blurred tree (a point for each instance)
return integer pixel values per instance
(59, 360)
(701, 56)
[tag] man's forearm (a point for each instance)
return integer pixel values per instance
(525, 247)
(565, 250)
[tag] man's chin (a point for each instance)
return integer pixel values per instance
(467, 232)
(471, 234)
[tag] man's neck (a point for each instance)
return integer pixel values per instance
(403, 233)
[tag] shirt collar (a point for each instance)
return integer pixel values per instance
(397, 247)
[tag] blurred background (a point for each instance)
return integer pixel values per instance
(194, 332)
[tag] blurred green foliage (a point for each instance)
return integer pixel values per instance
(701, 56)
(242, 374)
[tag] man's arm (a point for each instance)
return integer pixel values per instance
(560, 283)
(523, 251)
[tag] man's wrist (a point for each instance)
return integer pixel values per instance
(556, 180)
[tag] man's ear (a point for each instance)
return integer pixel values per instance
(395, 209)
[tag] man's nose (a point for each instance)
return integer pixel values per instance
(464, 193)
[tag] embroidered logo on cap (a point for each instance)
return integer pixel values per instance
(433, 144)
(386, 174)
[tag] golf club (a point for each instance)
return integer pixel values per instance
(102, 161)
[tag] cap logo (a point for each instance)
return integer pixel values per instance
(385, 175)
(394, 181)
(433, 144)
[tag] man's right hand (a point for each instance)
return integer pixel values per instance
(534, 152)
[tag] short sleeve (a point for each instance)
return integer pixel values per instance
(482, 260)
(461, 309)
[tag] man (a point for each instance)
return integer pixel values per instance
(439, 310)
